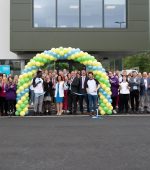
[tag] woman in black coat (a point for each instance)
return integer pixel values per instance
(48, 95)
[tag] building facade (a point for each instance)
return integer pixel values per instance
(106, 28)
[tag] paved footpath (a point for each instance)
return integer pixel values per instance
(75, 143)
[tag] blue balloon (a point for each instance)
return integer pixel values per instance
(110, 100)
(103, 70)
(26, 90)
(70, 52)
(101, 90)
(90, 67)
(18, 95)
(108, 97)
(78, 50)
(46, 52)
(58, 56)
(28, 69)
(34, 67)
(94, 68)
(65, 56)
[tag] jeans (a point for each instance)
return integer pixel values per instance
(134, 95)
(81, 98)
(145, 101)
(3, 106)
(72, 101)
(11, 106)
(92, 102)
(32, 96)
(114, 101)
(38, 102)
(123, 102)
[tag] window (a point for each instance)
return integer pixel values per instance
(115, 13)
(91, 13)
(79, 13)
(68, 13)
(44, 13)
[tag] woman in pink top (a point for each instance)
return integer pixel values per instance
(3, 105)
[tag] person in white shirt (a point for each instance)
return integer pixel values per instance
(39, 93)
(124, 95)
(92, 87)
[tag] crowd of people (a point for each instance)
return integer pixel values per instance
(77, 92)
(67, 90)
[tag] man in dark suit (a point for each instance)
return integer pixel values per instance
(134, 84)
(82, 90)
(72, 93)
(145, 93)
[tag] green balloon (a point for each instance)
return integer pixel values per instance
(19, 109)
(17, 113)
(109, 112)
(26, 102)
(44, 60)
(22, 105)
(105, 109)
(102, 105)
(97, 77)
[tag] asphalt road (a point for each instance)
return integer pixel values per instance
(75, 143)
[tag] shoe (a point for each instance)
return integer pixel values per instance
(58, 114)
(69, 112)
(91, 113)
(142, 112)
(132, 112)
(40, 114)
(62, 112)
(74, 113)
(136, 112)
(36, 113)
(81, 113)
(114, 112)
(10, 113)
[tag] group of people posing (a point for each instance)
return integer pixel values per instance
(70, 91)
(130, 91)
(66, 90)
(8, 86)
(77, 92)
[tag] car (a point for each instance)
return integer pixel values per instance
(129, 71)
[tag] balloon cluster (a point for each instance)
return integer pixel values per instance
(40, 60)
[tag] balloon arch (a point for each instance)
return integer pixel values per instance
(45, 58)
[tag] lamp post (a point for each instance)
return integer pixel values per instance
(120, 23)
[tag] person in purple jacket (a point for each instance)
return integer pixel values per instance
(114, 89)
(10, 96)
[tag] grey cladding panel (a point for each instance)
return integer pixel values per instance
(87, 41)
(138, 2)
(26, 38)
(19, 25)
(138, 12)
(138, 26)
(22, 11)
(22, 1)
(25, 26)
